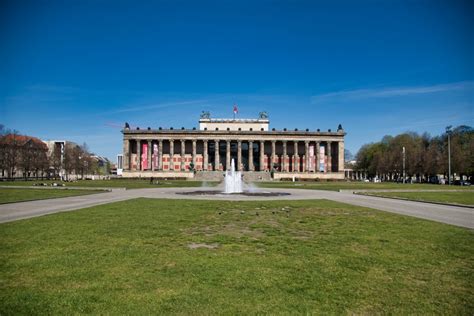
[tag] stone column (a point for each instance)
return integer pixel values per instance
(341, 156)
(183, 155)
(139, 155)
(283, 165)
(329, 157)
(126, 155)
(296, 163)
(206, 159)
(251, 167)
(227, 155)
(273, 155)
(306, 153)
(160, 155)
(171, 154)
(150, 149)
(154, 166)
(216, 155)
(194, 154)
(318, 148)
(262, 155)
(239, 155)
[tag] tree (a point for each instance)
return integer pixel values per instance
(10, 147)
(425, 156)
(42, 163)
(462, 154)
(85, 162)
(26, 158)
(348, 156)
(71, 154)
(20, 153)
(55, 161)
(6, 131)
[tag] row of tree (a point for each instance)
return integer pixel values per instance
(22, 155)
(425, 156)
(27, 157)
(75, 160)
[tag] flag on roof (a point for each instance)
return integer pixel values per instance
(235, 109)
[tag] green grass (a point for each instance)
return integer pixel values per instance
(10, 195)
(336, 186)
(464, 198)
(118, 183)
(318, 257)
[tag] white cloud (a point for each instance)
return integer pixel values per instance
(392, 92)
(158, 106)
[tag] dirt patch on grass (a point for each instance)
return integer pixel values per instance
(235, 230)
(201, 245)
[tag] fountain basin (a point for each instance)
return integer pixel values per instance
(233, 185)
(245, 193)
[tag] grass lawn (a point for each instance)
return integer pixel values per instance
(119, 183)
(150, 256)
(464, 198)
(10, 195)
(336, 186)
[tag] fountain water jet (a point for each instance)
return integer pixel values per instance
(233, 180)
(233, 184)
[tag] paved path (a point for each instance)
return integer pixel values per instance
(454, 215)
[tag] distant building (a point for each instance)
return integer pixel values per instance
(57, 150)
(22, 156)
(258, 151)
(102, 163)
(119, 167)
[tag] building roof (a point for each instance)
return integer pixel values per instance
(183, 130)
(22, 139)
(235, 121)
(216, 129)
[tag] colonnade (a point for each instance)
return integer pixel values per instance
(283, 155)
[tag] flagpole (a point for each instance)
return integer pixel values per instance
(235, 110)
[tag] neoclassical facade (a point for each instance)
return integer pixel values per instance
(259, 152)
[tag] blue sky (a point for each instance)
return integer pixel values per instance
(78, 70)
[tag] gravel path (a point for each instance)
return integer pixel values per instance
(454, 215)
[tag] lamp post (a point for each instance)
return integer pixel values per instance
(448, 131)
(404, 175)
(82, 169)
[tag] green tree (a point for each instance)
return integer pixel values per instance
(425, 156)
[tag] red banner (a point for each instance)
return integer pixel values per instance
(144, 156)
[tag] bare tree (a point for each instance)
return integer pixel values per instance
(11, 145)
(55, 162)
(26, 157)
(41, 164)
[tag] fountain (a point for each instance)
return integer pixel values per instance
(233, 180)
(233, 184)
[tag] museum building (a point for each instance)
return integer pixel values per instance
(259, 152)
